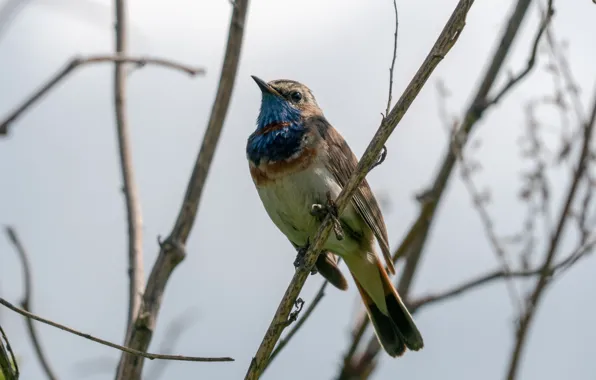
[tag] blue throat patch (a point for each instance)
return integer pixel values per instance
(279, 131)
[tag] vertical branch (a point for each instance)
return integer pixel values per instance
(564, 216)
(26, 302)
(131, 196)
(393, 59)
(172, 250)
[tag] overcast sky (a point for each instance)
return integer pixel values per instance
(60, 184)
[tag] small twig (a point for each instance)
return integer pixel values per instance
(8, 364)
(26, 302)
(416, 305)
(110, 344)
(392, 61)
(134, 218)
(171, 253)
(82, 61)
(444, 43)
(531, 60)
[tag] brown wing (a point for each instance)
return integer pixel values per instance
(342, 163)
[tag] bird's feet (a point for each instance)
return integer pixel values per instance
(320, 211)
(299, 261)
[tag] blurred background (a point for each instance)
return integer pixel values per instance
(61, 184)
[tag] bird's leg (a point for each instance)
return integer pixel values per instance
(299, 262)
(330, 208)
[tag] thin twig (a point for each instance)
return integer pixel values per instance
(172, 250)
(393, 59)
(134, 218)
(26, 302)
(531, 60)
(573, 258)
(128, 350)
(444, 43)
(77, 62)
(8, 363)
(413, 243)
(532, 304)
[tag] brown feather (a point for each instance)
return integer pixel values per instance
(342, 163)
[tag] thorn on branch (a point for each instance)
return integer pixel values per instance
(381, 159)
(299, 304)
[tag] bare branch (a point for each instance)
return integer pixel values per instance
(527, 317)
(413, 243)
(172, 251)
(26, 302)
(446, 40)
(130, 351)
(134, 216)
(531, 60)
(8, 363)
(77, 62)
(498, 274)
(392, 60)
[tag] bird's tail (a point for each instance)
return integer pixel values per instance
(392, 321)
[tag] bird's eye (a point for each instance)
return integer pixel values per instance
(296, 96)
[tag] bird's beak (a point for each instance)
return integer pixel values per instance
(265, 88)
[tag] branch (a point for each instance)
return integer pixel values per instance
(110, 344)
(8, 364)
(497, 274)
(531, 60)
(26, 302)
(527, 317)
(413, 243)
(393, 59)
(129, 188)
(82, 61)
(172, 251)
(442, 46)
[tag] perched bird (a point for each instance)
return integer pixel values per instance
(297, 160)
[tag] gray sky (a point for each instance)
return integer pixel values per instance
(60, 179)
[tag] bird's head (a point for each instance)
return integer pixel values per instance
(285, 101)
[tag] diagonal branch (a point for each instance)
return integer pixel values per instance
(26, 302)
(413, 243)
(444, 43)
(532, 304)
(130, 351)
(131, 192)
(77, 62)
(498, 274)
(172, 250)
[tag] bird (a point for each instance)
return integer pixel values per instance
(298, 160)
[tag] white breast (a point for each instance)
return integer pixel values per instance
(288, 200)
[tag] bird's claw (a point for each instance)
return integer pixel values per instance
(299, 261)
(320, 211)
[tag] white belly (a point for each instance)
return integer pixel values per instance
(288, 201)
